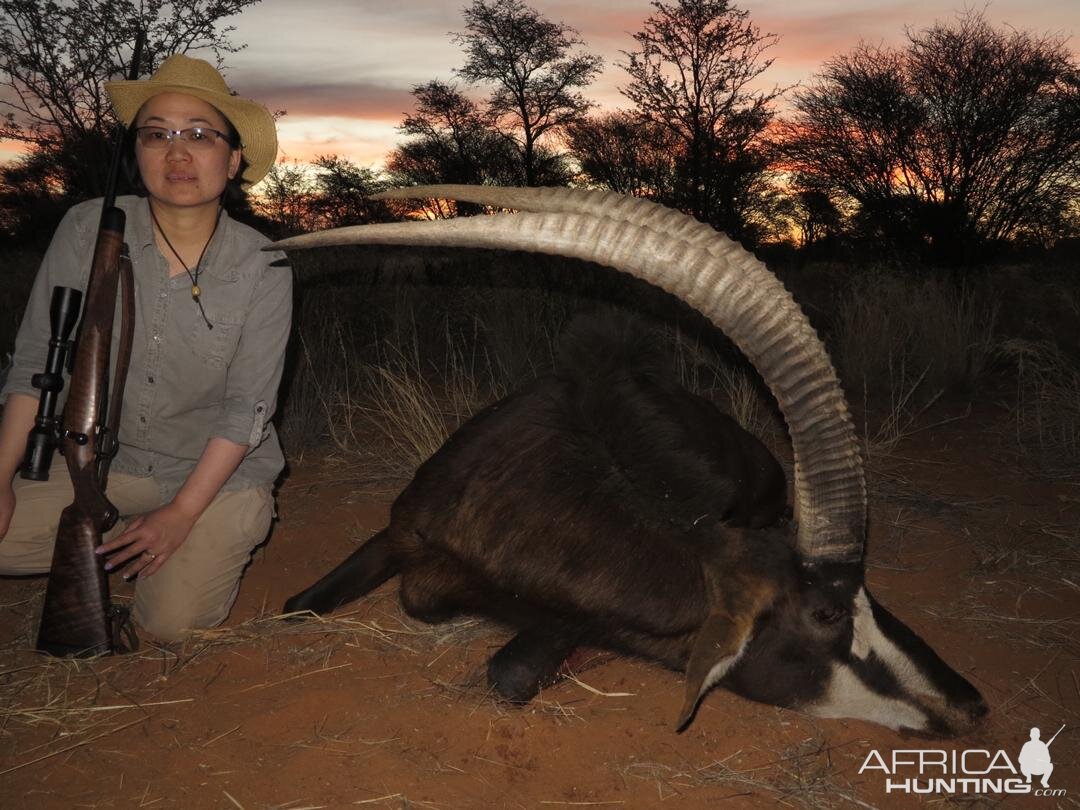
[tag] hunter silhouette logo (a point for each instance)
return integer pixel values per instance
(928, 771)
(1035, 757)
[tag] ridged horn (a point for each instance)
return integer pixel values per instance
(557, 199)
(709, 272)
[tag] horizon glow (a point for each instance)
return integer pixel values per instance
(344, 70)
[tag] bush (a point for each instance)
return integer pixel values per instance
(901, 338)
(1046, 413)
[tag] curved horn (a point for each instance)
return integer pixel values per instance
(557, 199)
(715, 276)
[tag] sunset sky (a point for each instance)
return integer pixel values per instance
(343, 69)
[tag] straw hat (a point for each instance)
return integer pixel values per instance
(195, 77)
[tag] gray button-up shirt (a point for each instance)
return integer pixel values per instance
(187, 383)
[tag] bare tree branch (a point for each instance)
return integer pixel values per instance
(966, 136)
(692, 73)
(530, 62)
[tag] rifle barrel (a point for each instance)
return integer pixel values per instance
(118, 136)
(1055, 735)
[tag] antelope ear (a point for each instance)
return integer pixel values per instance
(720, 642)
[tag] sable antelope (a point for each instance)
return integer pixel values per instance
(606, 506)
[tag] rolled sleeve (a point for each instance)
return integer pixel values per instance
(256, 368)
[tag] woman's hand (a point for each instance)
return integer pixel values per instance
(149, 540)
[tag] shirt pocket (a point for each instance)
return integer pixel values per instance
(215, 347)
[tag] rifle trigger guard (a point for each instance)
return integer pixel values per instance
(108, 520)
(108, 444)
(122, 636)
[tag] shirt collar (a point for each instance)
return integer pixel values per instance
(212, 263)
(140, 231)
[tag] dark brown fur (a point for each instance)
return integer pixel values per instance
(601, 505)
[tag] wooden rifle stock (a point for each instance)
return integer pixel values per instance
(78, 618)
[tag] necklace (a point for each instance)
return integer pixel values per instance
(196, 290)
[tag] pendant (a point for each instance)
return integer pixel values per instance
(195, 292)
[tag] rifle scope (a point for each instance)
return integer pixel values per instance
(45, 436)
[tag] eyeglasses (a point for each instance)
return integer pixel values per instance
(193, 137)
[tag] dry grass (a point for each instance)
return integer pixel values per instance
(801, 776)
(394, 412)
(407, 410)
(908, 341)
(1052, 633)
(1032, 547)
(520, 341)
(734, 389)
(66, 704)
(1046, 406)
(898, 418)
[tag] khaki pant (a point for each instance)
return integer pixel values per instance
(195, 587)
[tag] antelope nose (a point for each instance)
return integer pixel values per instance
(968, 713)
(976, 710)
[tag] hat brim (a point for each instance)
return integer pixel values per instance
(258, 132)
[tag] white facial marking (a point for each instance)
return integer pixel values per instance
(848, 696)
(868, 638)
(865, 628)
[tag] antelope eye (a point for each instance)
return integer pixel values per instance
(829, 615)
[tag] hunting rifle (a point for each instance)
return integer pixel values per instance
(78, 618)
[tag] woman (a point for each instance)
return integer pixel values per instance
(198, 455)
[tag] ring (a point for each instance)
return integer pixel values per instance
(150, 554)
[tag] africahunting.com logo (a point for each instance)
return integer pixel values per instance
(972, 771)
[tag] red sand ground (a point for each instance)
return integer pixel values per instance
(376, 711)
